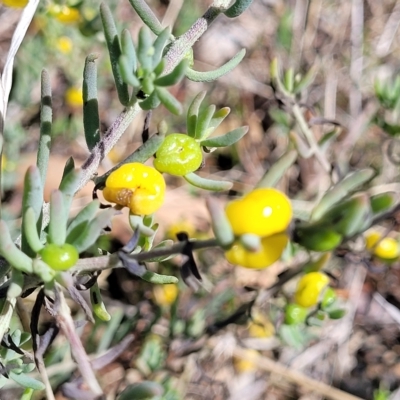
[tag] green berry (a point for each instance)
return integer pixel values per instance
(329, 298)
(179, 155)
(60, 258)
(295, 314)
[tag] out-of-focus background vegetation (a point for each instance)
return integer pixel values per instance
(350, 44)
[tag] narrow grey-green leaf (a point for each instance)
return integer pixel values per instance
(145, 49)
(350, 183)
(46, 119)
(151, 102)
(238, 8)
(58, 218)
(68, 186)
(203, 120)
(226, 140)
(26, 381)
(11, 253)
(127, 72)
(210, 76)
(69, 166)
(173, 77)
(220, 224)
(169, 101)
(16, 284)
(208, 184)
(85, 215)
(217, 119)
(32, 197)
(114, 50)
(128, 49)
(31, 232)
(93, 230)
(159, 45)
(191, 119)
(147, 15)
(142, 391)
(277, 170)
(91, 117)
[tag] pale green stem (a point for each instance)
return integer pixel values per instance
(310, 137)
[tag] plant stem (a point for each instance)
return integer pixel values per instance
(310, 137)
(105, 262)
(65, 322)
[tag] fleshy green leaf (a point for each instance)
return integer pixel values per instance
(91, 117)
(151, 102)
(128, 50)
(220, 224)
(26, 381)
(46, 117)
(169, 101)
(191, 119)
(147, 15)
(208, 184)
(16, 284)
(11, 253)
(237, 8)
(93, 230)
(210, 76)
(32, 197)
(145, 49)
(159, 45)
(114, 49)
(58, 219)
(203, 121)
(277, 170)
(79, 222)
(226, 140)
(30, 230)
(341, 190)
(174, 77)
(142, 391)
(68, 185)
(126, 72)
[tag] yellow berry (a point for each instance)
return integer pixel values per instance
(262, 212)
(65, 14)
(165, 295)
(385, 248)
(15, 3)
(74, 97)
(270, 251)
(64, 44)
(243, 365)
(136, 186)
(310, 287)
(180, 226)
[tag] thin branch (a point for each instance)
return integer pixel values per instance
(105, 262)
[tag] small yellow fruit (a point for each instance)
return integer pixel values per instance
(386, 248)
(165, 295)
(270, 251)
(15, 3)
(136, 186)
(310, 287)
(64, 45)
(74, 97)
(262, 212)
